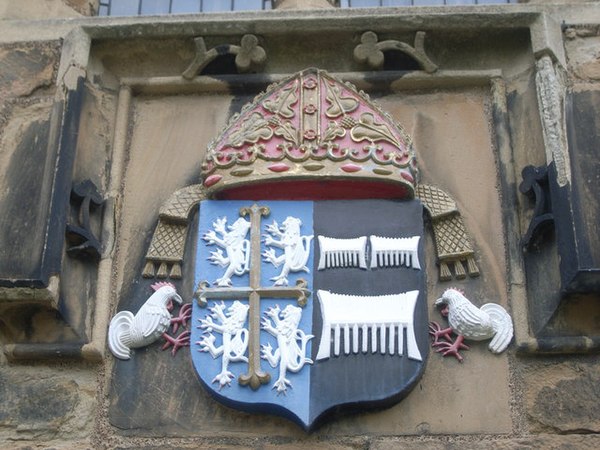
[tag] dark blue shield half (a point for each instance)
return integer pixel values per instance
(305, 308)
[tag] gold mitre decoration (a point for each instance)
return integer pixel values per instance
(307, 137)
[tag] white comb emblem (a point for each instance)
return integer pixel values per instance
(385, 252)
(394, 252)
(342, 252)
(357, 321)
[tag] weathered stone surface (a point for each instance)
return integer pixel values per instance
(583, 55)
(562, 395)
(302, 4)
(533, 442)
(27, 67)
(85, 7)
(35, 9)
(44, 404)
(24, 143)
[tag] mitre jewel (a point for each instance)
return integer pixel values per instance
(306, 137)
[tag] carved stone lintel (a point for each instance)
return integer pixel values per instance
(452, 243)
(371, 52)
(248, 55)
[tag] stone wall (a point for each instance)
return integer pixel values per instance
(61, 388)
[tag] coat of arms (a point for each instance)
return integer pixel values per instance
(304, 306)
(310, 292)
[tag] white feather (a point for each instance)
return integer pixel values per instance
(503, 327)
(119, 329)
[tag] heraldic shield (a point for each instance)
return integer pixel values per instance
(309, 307)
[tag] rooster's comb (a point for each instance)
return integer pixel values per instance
(156, 286)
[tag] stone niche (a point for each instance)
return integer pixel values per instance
(136, 124)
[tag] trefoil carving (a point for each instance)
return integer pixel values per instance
(371, 52)
(249, 55)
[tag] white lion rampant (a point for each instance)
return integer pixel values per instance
(296, 248)
(290, 354)
(236, 246)
(235, 337)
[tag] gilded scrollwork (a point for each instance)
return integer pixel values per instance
(251, 130)
(338, 154)
(288, 132)
(338, 104)
(368, 129)
(310, 117)
(283, 103)
(302, 153)
(333, 131)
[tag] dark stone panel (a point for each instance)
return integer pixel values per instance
(32, 228)
(25, 205)
(357, 382)
(577, 207)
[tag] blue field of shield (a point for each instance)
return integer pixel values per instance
(294, 401)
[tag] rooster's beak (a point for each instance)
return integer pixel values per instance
(177, 298)
(439, 301)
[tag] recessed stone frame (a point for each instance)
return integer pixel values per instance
(546, 49)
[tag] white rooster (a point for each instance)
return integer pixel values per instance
(127, 331)
(491, 321)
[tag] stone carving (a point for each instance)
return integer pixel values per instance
(385, 252)
(490, 321)
(535, 185)
(393, 252)
(127, 331)
(251, 130)
(235, 337)
(282, 103)
(371, 345)
(310, 124)
(233, 240)
(255, 377)
(370, 130)
(453, 246)
(166, 248)
(371, 52)
(291, 342)
(81, 238)
(386, 315)
(296, 248)
(333, 154)
(551, 89)
(248, 55)
(168, 241)
(337, 252)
